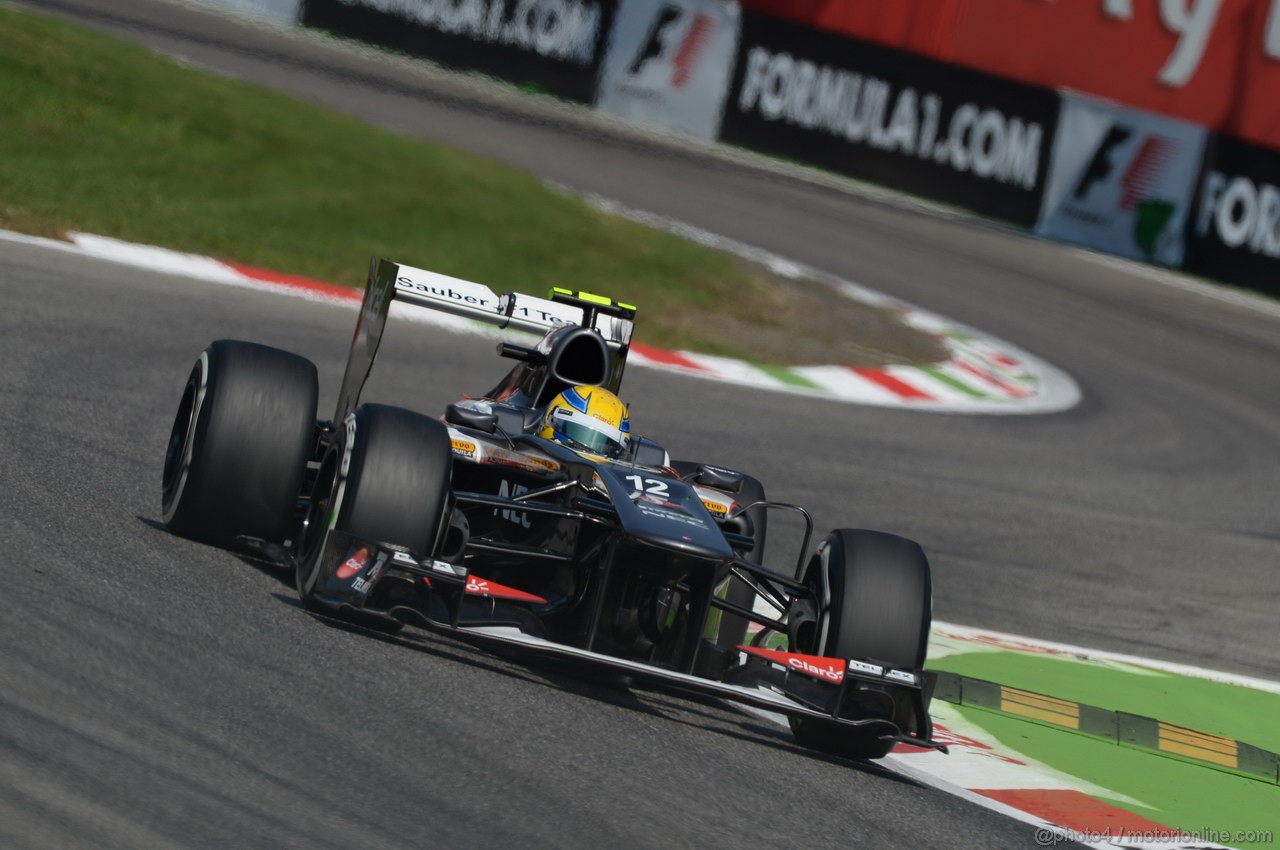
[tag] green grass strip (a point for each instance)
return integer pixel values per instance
(106, 137)
(954, 383)
(1185, 796)
(788, 377)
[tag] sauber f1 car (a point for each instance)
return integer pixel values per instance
(507, 524)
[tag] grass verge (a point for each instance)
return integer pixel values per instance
(1199, 800)
(105, 137)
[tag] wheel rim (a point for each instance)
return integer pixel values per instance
(178, 453)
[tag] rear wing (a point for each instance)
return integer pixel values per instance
(390, 281)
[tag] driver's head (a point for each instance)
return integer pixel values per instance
(588, 419)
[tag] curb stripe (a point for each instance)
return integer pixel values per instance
(666, 358)
(306, 284)
(1079, 812)
(938, 374)
(890, 383)
(787, 376)
(945, 387)
(941, 373)
(735, 371)
(843, 382)
(1008, 389)
(938, 391)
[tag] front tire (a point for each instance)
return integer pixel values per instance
(239, 446)
(875, 602)
(387, 479)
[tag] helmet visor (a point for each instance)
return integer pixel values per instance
(588, 434)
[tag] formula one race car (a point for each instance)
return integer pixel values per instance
(530, 521)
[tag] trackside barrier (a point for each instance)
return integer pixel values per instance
(554, 45)
(1121, 180)
(1213, 62)
(895, 118)
(669, 64)
(1234, 232)
(1070, 167)
(1118, 727)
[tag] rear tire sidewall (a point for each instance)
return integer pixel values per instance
(238, 449)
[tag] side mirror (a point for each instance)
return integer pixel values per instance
(719, 478)
(466, 417)
(522, 353)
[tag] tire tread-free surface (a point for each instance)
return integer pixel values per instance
(251, 442)
(879, 610)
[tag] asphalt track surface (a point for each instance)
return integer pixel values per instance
(155, 692)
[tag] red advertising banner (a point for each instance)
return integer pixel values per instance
(1213, 62)
(1257, 105)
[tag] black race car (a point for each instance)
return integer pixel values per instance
(477, 527)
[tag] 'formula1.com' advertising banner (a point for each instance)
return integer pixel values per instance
(554, 44)
(891, 117)
(669, 63)
(1121, 180)
(1235, 230)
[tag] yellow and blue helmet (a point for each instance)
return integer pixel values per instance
(588, 419)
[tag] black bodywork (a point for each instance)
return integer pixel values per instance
(614, 563)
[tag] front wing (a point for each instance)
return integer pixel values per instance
(793, 692)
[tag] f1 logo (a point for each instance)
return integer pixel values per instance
(652, 46)
(1101, 165)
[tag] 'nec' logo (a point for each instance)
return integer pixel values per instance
(507, 491)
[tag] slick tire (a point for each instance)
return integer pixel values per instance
(879, 606)
(396, 488)
(733, 629)
(238, 449)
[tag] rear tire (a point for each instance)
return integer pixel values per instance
(396, 488)
(239, 446)
(878, 605)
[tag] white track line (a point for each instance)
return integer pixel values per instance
(1019, 643)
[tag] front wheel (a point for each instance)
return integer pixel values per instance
(875, 602)
(387, 479)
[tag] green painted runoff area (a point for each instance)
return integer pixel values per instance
(1230, 711)
(1178, 794)
(105, 137)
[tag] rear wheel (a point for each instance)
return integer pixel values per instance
(387, 479)
(239, 445)
(875, 602)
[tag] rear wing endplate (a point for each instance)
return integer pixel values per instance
(390, 281)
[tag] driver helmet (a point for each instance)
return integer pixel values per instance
(588, 419)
